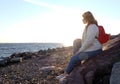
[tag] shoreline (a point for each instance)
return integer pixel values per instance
(28, 67)
(7, 49)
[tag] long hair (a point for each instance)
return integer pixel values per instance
(89, 18)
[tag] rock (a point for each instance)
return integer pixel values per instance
(42, 52)
(27, 57)
(15, 60)
(76, 45)
(63, 81)
(47, 69)
(75, 77)
(115, 75)
(114, 36)
(2, 62)
(15, 55)
(106, 79)
(24, 55)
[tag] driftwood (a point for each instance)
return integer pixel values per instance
(96, 70)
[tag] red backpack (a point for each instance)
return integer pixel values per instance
(103, 37)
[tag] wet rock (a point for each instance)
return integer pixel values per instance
(2, 62)
(27, 57)
(42, 52)
(15, 55)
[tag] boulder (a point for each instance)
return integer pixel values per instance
(2, 62)
(115, 75)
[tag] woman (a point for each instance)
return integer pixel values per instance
(90, 46)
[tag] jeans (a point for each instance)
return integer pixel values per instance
(77, 58)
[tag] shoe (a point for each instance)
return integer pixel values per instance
(60, 76)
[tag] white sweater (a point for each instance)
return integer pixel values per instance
(89, 41)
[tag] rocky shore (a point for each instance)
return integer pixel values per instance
(34, 67)
(43, 66)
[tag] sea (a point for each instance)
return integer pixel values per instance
(7, 49)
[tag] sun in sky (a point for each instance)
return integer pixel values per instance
(56, 21)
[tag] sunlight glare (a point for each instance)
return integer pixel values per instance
(60, 27)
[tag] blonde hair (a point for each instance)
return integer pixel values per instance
(89, 18)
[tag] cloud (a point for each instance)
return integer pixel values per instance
(43, 4)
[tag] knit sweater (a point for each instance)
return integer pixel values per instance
(89, 40)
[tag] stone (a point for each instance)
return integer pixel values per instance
(47, 68)
(2, 62)
(15, 60)
(75, 77)
(76, 45)
(115, 75)
(106, 79)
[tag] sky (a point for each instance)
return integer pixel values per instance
(54, 21)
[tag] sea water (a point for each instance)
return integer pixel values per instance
(6, 49)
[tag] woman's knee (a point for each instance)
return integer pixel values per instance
(83, 56)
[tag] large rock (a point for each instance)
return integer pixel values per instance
(2, 62)
(97, 70)
(115, 75)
